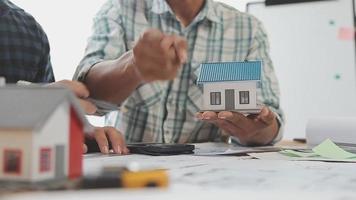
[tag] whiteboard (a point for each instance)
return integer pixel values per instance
(314, 59)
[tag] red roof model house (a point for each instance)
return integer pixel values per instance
(41, 134)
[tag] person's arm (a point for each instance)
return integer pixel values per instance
(104, 55)
(155, 56)
(112, 72)
(113, 80)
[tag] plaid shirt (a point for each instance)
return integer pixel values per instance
(24, 48)
(164, 111)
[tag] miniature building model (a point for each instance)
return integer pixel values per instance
(230, 86)
(41, 134)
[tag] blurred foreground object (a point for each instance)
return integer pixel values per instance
(41, 133)
(340, 130)
(2, 81)
(122, 177)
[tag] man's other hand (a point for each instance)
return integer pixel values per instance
(254, 129)
(80, 91)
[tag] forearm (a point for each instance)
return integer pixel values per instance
(113, 80)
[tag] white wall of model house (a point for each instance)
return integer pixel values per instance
(54, 132)
(29, 142)
(237, 86)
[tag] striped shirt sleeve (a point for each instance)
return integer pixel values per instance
(106, 41)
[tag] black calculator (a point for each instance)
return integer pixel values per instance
(154, 149)
(161, 149)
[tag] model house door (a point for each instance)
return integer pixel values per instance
(229, 99)
(59, 162)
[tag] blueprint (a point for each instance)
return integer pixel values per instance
(217, 177)
(233, 172)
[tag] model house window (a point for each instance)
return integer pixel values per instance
(215, 98)
(45, 159)
(244, 97)
(12, 161)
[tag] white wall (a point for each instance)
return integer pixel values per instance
(307, 44)
(68, 25)
(54, 132)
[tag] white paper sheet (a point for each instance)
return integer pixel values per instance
(278, 156)
(231, 172)
(183, 193)
(214, 177)
(212, 149)
(340, 130)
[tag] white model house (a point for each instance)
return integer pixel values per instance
(230, 86)
(41, 134)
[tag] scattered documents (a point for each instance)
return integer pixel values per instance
(326, 151)
(298, 153)
(279, 156)
(236, 173)
(213, 149)
(338, 129)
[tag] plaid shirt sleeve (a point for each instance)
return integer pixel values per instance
(106, 41)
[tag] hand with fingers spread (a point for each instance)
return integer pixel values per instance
(254, 129)
(105, 136)
(80, 91)
(157, 56)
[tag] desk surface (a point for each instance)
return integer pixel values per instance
(291, 143)
(212, 177)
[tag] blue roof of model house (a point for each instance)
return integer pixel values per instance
(230, 71)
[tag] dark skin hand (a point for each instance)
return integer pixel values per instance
(254, 129)
(80, 90)
(103, 135)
